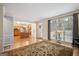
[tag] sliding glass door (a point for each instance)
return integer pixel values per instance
(53, 29)
(68, 29)
(61, 29)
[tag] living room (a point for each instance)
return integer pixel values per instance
(29, 24)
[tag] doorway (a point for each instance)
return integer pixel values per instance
(24, 33)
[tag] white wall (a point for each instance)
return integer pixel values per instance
(34, 30)
(1, 26)
(39, 30)
(44, 29)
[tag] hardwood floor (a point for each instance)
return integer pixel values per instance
(76, 51)
(19, 42)
(43, 48)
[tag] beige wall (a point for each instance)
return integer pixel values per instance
(44, 29)
(1, 26)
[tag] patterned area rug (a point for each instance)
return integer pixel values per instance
(43, 48)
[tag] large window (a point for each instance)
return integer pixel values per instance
(68, 28)
(53, 28)
(61, 29)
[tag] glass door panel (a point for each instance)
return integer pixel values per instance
(53, 28)
(60, 29)
(68, 29)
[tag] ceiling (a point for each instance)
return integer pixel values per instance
(37, 11)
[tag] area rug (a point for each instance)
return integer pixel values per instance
(43, 48)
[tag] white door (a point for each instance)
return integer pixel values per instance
(7, 32)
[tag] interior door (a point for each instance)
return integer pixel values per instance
(7, 32)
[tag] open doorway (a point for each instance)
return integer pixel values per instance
(24, 33)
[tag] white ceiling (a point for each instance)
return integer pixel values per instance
(35, 11)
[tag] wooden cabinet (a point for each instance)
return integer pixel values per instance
(24, 35)
(16, 32)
